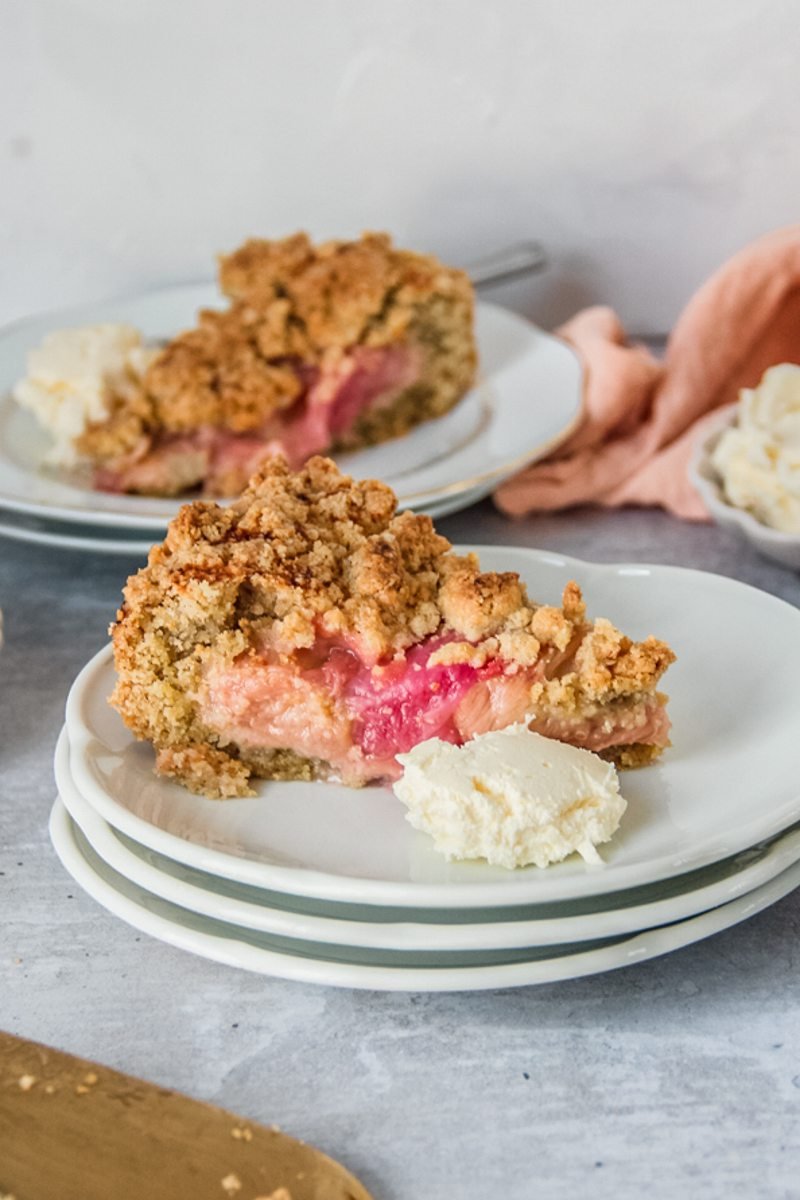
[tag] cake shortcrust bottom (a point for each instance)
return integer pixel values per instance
(221, 775)
(639, 754)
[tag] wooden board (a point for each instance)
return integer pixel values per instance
(74, 1130)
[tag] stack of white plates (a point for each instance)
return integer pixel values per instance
(528, 401)
(326, 884)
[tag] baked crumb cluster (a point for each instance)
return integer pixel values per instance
(316, 555)
(293, 302)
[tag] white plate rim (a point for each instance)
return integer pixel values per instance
(344, 888)
(69, 541)
(97, 540)
(409, 935)
(83, 512)
(223, 948)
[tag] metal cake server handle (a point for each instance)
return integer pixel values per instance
(521, 258)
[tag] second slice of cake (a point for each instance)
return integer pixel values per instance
(325, 347)
(309, 631)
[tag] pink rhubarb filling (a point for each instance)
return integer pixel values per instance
(332, 399)
(327, 704)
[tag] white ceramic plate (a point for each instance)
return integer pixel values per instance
(309, 962)
(457, 501)
(529, 400)
(731, 779)
(772, 543)
(64, 536)
(104, 539)
(535, 925)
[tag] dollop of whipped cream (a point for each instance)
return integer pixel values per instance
(72, 376)
(758, 458)
(511, 797)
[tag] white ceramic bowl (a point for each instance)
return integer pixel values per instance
(783, 547)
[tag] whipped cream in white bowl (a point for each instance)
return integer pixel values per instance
(748, 469)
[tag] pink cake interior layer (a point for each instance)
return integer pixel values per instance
(332, 400)
(332, 707)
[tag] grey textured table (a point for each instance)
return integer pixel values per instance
(677, 1077)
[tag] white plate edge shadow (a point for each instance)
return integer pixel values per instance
(304, 882)
(408, 935)
(448, 493)
(219, 946)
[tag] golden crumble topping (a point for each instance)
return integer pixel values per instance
(314, 555)
(363, 292)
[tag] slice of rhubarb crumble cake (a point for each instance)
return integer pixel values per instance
(321, 348)
(310, 631)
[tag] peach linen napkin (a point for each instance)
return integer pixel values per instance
(642, 415)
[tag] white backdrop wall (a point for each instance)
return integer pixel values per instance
(643, 142)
